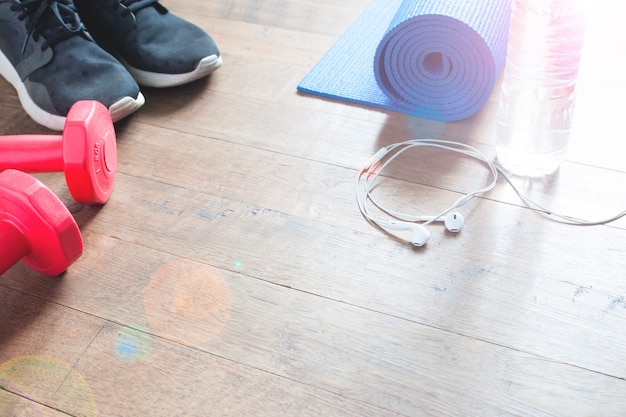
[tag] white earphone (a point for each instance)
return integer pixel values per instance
(416, 225)
(419, 234)
(452, 219)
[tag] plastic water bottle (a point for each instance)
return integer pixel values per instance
(537, 96)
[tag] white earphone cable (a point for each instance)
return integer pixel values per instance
(368, 175)
(372, 169)
(561, 218)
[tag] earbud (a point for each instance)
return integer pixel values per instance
(454, 221)
(419, 234)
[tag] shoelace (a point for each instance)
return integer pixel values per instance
(130, 7)
(56, 19)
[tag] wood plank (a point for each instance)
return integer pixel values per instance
(201, 383)
(40, 342)
(15, 405)
(320, 17)
(34, 326)
(174, 380)
(166, 374)
(316, 345)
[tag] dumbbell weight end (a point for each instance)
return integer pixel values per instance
(14, 246)
(86, 152)
(35, 226)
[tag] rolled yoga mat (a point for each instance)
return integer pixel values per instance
(437, 59)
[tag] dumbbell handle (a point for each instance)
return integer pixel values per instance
(32, 153)
(12, 244)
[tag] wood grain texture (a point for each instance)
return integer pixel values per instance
(231, 273)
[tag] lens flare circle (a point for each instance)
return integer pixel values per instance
(188, 302)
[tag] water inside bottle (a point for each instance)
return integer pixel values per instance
(518, 158)
(538, 89)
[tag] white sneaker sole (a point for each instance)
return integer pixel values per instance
(126, 106)
(154, 79)
(120, 109)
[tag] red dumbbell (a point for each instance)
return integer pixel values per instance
(35, 226)
(86, 152)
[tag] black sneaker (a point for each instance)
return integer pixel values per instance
(52, 62)
(157, 47)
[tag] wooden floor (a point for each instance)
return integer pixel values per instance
(231, 273)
